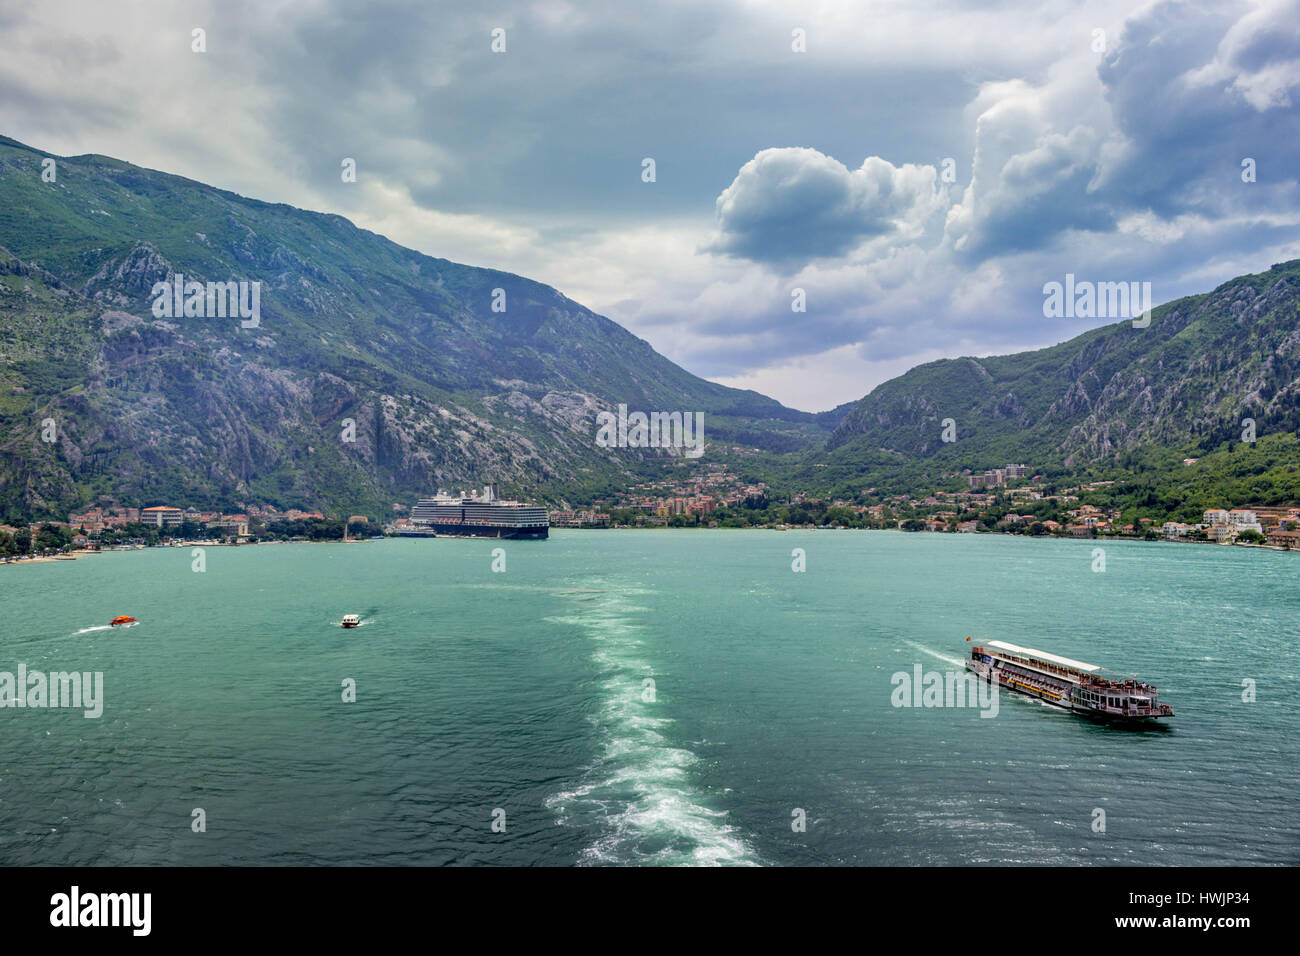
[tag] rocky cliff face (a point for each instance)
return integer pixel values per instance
(1205, 363)
(373, 374)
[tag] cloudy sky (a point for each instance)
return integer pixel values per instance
(918, 169)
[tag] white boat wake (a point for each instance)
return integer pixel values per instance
(955, 661)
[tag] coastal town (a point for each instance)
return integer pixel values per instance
(117, 527)
(1004, 500)
(999, 500)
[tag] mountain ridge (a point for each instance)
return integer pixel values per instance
(443, 388)
(1206, 363)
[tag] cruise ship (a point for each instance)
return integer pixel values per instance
(479, 516)
(1074, 685)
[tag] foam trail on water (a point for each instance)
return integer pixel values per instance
(646, 807)
(955, 661)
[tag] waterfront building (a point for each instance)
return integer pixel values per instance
(162, 516)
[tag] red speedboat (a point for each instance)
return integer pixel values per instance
(123, 620)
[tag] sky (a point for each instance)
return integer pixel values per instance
(912, 173)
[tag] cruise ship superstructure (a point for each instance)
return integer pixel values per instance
(478, 515)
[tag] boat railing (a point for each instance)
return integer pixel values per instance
(1044, 666)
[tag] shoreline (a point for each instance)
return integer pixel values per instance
(994, 534)
(25, 559)
(85, 552)
(48, 559)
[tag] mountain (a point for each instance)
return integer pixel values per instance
(443, 389)
(1114, 397)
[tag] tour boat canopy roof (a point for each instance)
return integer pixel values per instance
(1030, 652)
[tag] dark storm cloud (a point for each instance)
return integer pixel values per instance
(797, 204)
(561, 121)
(919, 172)
(1194, 91)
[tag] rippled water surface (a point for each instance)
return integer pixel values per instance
(651, 697)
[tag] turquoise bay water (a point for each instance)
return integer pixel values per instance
(526, 692)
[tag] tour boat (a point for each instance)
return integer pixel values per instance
(351, 620)
(123, 620)
(1073, 685)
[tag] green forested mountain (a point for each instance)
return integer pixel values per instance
(444, 390)
(1115, 399)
